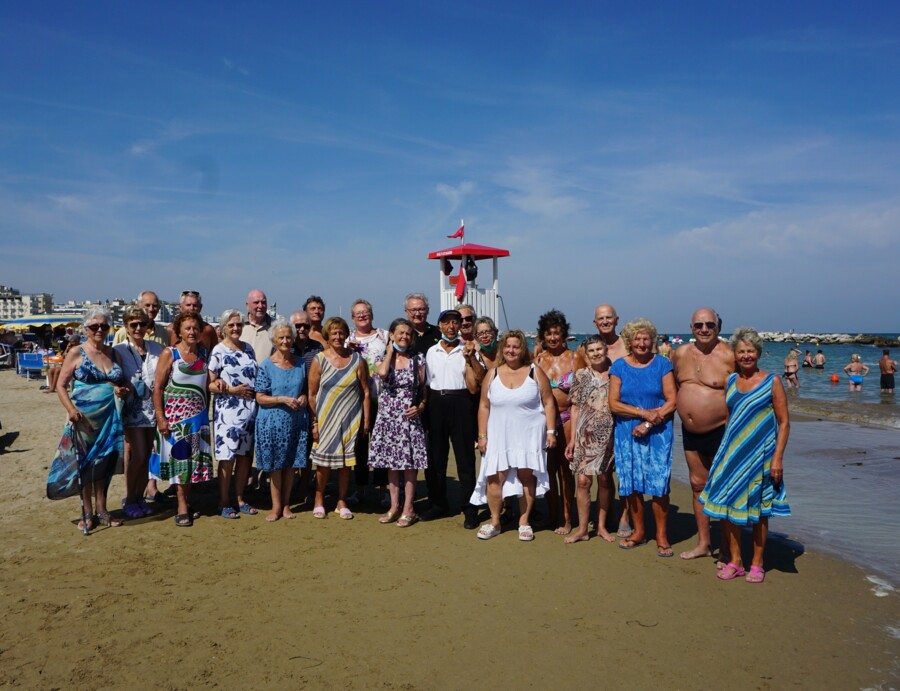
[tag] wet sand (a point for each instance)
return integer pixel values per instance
(356, 604)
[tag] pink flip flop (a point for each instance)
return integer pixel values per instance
(756, 575)
(730, 572)
(319, 512)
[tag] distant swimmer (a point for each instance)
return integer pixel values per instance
(819, 360)
(856, 371)
(665, 348)
(888, 367)
(791, 367)
(807, 360)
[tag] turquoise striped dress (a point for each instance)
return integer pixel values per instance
(740, 488)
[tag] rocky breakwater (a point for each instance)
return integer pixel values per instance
(829, 339)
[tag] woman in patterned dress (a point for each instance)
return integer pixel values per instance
(398, 439)
(642, 397)
(339, 398)
(138, 358)
(745, 483)
(590, 448)
(92, 443)
(181, 452)
(232, 376)
(282, 420)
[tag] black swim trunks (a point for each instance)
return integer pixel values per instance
(887, 381)
(706, 444)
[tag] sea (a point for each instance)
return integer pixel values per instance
(842, 480)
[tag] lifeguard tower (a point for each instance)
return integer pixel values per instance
(457, 286)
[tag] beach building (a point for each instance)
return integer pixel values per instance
(15, 305)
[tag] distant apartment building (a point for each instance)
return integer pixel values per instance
(14, 305)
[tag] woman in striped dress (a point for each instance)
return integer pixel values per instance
(745, 481)
(339, 397)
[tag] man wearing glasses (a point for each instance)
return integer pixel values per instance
(191, 302)
(466, 323)
(256, 328)
(155, 332)
(416, 308)
(701, 374)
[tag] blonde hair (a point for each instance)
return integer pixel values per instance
(635, 327)
(514, 333)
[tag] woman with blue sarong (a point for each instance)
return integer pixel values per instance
(93, 439)
(745, 483)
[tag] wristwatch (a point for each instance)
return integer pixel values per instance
(647, 425)
(551, 431)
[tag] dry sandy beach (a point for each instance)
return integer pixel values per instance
(355, 604)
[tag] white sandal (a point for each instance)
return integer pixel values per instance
(487, 531)
(526, 534)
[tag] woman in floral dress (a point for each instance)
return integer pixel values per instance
(398, 440)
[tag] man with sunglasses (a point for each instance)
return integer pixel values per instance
(191, 302)
(156, 333)
(256, 327)
(305, 350)
(701, 374)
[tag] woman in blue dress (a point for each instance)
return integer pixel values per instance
(282, 419)
(745, 480)
(232, 377)
(93, 440)
(642, 397)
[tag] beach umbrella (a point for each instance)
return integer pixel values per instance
(32, 320)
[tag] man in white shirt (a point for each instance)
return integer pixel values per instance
(256, 328)
(452, 385)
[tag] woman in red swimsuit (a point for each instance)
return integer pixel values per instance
(558, 363)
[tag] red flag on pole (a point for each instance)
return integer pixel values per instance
(461, 282)
(459, 233)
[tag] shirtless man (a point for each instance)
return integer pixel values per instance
(701, 373)
(191, 302)
(606, 320)
(819, 360)
(888, 368)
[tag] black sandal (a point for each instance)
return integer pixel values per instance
(184, 520)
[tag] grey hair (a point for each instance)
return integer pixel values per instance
(97, 312)
(485, 320)
(467, 307)
(281, 323)
(362, 301)
(416, 296)
(228, 314)
(747, 334)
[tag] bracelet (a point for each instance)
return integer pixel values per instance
(482, 436)
(647, 425)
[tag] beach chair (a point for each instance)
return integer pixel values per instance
(6, 355)
(30, 363)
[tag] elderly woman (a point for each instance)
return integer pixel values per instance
(590, 447)
(745, 483)
(282, 420)
(138, 358)
(398, 439)
(856, 370)
(182, 453)
(558, 363)
(642, 397)
(486, 338)
(515, 429)
(371, 343)
(339, 397)
(92, 442)
(232, 376)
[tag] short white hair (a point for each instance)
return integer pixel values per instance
(228, 314)
(416, 296)
(95, 312)
(281, 323)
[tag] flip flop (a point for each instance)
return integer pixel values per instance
(247, 509)
(344, 513)
(755, 575)
(664, 551)
(730, 572)
(631, 544)
(624, 530)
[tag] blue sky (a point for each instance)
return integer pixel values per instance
(658, 156)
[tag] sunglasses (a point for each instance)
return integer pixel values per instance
(709, 325)
(191, 293)
(302, 325)
(97, 327)
(466, 320)
(135, 325)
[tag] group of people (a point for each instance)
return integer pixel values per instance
(856, 370)
(315, 393)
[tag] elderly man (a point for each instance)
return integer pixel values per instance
(191, 302)
(155, 332)
(416, 309)
(256, 328)
(315, 309)
(701, 374)
(467, 318)
(305, 350)
(606, 320)
(452, 382)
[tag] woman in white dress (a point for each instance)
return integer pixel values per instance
(516, 421)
